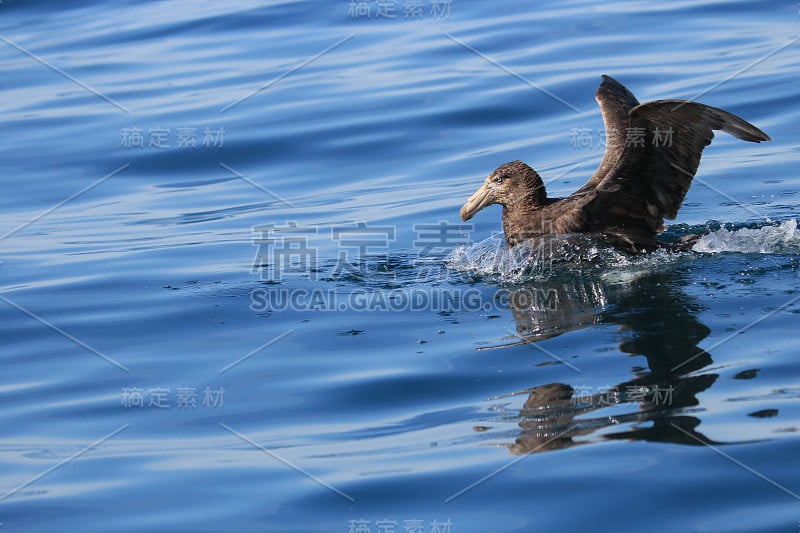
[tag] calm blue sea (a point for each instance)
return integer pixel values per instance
(235, 293)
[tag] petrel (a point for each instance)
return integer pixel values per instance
(652, 153)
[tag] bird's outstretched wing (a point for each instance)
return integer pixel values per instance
(663, 144)
(615, 102)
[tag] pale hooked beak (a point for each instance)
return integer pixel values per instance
(481, 198)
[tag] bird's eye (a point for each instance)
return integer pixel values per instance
(499, 179)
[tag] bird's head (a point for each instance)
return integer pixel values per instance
(510, 185)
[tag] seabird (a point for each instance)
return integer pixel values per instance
(652, 153)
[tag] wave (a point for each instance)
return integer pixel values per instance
(771, 239)
(540, 258)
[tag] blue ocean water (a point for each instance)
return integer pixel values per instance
(236, 294)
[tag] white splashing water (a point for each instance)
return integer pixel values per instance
(781, 239)
(531, 260)
(542, 258)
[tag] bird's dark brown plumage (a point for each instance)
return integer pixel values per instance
(652, 153)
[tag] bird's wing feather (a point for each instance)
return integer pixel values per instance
(615, 102)
(663, 145)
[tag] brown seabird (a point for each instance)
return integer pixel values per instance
(652, 153)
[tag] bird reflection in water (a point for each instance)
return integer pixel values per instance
(656, 320)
